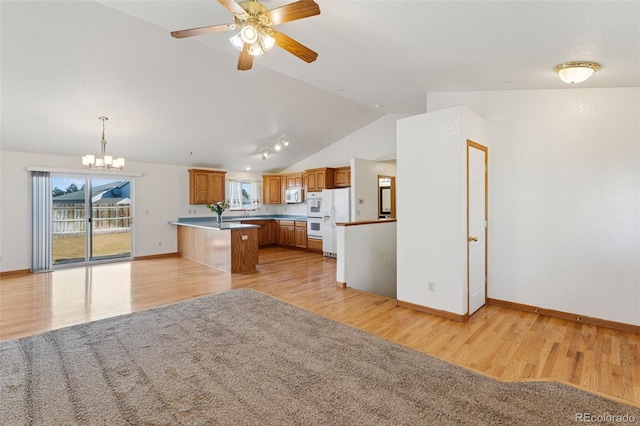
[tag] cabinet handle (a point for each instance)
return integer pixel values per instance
(473, 239)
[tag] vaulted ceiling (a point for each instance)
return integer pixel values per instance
(64, 63)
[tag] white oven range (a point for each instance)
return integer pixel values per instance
(314, 215)
(313, 228)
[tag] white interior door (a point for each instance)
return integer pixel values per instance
(477, 225)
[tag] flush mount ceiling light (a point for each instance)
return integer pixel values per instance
(576, 72)
(257, 34)
(276, 145)
(103, 161)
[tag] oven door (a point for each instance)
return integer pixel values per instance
(314, 204)
(313, 228)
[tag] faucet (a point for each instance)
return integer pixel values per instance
(246, 213)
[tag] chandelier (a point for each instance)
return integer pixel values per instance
(103, 161)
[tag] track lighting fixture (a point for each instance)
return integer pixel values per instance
(276, 145)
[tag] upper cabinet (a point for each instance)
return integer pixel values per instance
(342, 177)
(274, 187)
(206, 186)
(271, 189)
(318, 179)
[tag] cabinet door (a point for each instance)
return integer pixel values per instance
(291, 182)
(206, 186)
(271, 189)
(311, 184)
(270, 237)
(298, 181)
(285, 235)
(305, 182)
(283, 189)
(216, 187)
(320, 180)
(291, 236)
(301, 236)
(199, 188)
(342, 177)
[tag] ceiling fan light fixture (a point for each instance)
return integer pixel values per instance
(255, 49)
(577, 71)
(267, 41)
(236, 41)
(249, 33)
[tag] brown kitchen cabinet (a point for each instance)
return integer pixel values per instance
(294, 180)
(206, 186)
(271, 189)
(318, 179)
(300, 230)
(342, 177)
(266, 234)
(314, 244)
(286, 233)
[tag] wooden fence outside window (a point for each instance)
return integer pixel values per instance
(70, 218)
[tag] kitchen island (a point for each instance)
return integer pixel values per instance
(229, 246)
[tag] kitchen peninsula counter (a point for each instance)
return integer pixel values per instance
(229, 246)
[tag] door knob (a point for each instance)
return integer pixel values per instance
(473, 239)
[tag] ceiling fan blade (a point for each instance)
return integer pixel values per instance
(291, 12)
(202, 30)
(232, 7)
(293, 47)
(245, 61)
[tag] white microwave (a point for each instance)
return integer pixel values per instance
(293, 195)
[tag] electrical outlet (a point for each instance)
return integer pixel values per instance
(432, 286)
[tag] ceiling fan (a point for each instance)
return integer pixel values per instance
(257, 34)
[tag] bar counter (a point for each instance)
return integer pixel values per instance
(230, 247)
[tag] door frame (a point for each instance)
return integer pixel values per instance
(88, 207)
(392, 187)
(472, 144)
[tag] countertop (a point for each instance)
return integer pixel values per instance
(212, 224)
(230, 222)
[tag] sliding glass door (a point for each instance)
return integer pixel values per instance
(91, 219)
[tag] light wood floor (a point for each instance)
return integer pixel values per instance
(499, 342)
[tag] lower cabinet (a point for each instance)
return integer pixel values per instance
(292, 233)
(266, 232)
(285, 233)
(300, 229)
(314, 244)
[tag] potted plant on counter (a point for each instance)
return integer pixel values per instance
(218, 208)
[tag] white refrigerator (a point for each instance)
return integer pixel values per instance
(336, 206)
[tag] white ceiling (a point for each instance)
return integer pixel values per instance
(64, 63)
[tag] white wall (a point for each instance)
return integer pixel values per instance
(161, 195)
(431, 194)
(364, 187)
(564, 197)
(375, 141)
(367, 257)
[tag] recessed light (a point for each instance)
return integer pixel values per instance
(247, 168)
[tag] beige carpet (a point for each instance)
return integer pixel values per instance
(244, 358)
